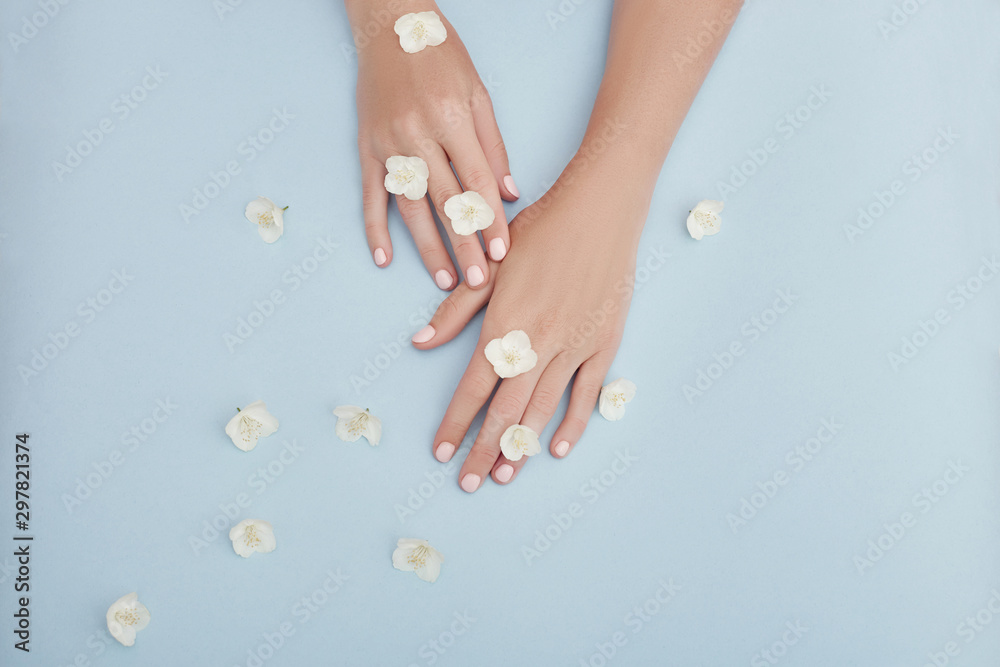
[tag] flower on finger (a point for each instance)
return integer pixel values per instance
(407, 176)
(614, 396)
(126, 617)
(412, 555)
(512, 354)
(704, 219)
(354, 422)
(250, 425)
(420, 30)
(268, 217)
(469, 213)
(518, 441)
(252, 535)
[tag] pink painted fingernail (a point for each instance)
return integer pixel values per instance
(498, 250)
(474, 276)
(561, 448)
(443, 279)
(508, 182)
(444, 452)
(470, 482)
(504, 473)
(379, 256)
(424, 334)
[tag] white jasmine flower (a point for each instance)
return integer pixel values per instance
(126, 617)
(250, 425)
(518, 441)
(704, 219)
(268, 217)
(407, 176)
(469, 213)
(420, 30)
(614, 396)
(512, 354)
(252, 535)
(418, 556)
(354, 422)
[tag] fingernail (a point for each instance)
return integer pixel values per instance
(508, 182)
(562, 448)
(424, 334)
(379, 256)
(444, 452)
(443, 279)
(474, 276)
(470, 483)
(504, 473)
(498, 250)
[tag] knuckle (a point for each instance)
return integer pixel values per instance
(546, 400)
(506, 410)
(478, 180)
(575, 424)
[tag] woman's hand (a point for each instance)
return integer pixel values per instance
(432, 105)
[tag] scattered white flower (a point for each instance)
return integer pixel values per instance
(512, 354)
(469, 213)
(252, 535)
(420, 30)
(518, 441)
(354, 422)
(268, 217)
(614, 396)
(704, 219)
(250, 425)
(418, 556)
(407, 176)
(126, 617)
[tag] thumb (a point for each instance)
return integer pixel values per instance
(454, 313)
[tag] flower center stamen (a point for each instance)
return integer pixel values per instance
(265, 219)
(617, 399)
(404, 175)
(358, 425)
(418, 557)
(419, 31)
(249, 429)
(251, 538)
(706, 219)
(127, 617)
(512, 357)
(470, 213)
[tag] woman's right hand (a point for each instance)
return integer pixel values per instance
(433, 105)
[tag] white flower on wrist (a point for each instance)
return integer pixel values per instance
(420, 30)
(268, 217)
(469, 213)
(518, 441)
(418, 556)
(252, 535)
(704, 219)
(250, 425)
(512, 354)
(614, 396)
(354, 422)
(126, 617)
(407, 176)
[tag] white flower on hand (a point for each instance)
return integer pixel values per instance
(704, 219)
(252, 535)
(614, 396)
(418, 556)
(469, 213)
(268, 217)
(126, 617)
(354, 422)
(420, 30)
(518, 441)
(407, 176)
(512, 354)
(250, 425)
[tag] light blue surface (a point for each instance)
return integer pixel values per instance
(334, 505)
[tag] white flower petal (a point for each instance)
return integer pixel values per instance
(469, 213)
(250, 424)
(125, 617)
(420, 30)
(252, 535)
(268, 217)
(412, 555)
(406, 176)
(705, 219)
(511, 355)
(353, 422)
(613, 398)
(518, 441)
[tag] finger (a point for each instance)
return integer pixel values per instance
(452, 315)
(493, 147)
(420, 221)
(475, 174)
(375, 200)
(583, 398)
(473, 390)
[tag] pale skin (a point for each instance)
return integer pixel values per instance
(566, 278)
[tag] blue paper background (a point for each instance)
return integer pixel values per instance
(335, 506)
